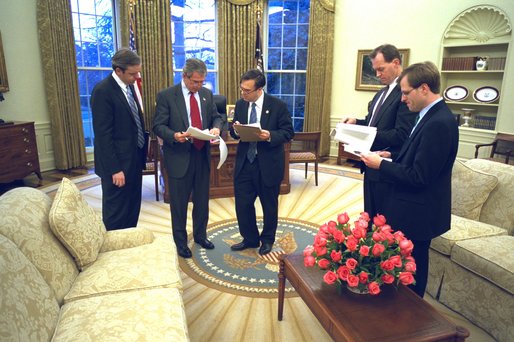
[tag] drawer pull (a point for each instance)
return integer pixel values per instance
(24, 130)
(27, 151)
(29, 164)
(26, 140)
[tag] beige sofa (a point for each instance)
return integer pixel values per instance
(472, 265)
(64, 278)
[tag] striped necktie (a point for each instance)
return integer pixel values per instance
(252, 149)
(374, 118)
(196, 121)
(137, 119)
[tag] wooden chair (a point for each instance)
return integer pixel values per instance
(501, 148)
(152, 164)
(305, 149)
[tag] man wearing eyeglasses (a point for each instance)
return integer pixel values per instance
(420, 200)
(187, 160)
(260, 165)
(390, 116)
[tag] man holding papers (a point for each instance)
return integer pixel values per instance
(260, 161)
(188, 159)
(392, 119)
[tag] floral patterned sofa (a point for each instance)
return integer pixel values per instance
(472, 265)
(65, 278)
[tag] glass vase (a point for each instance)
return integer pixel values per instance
(357, 290)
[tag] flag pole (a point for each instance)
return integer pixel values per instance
(259, 62)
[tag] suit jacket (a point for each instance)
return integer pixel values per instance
(275, 118)
(171, 116)
(421, 172)
(115, 130)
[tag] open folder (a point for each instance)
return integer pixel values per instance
(356, 138)
(249, 132)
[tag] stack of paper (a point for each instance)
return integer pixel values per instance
(357, 139)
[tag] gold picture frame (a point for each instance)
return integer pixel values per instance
(366, 77)
(230, 112)
(4, 84)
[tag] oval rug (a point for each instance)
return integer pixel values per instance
(246, 273)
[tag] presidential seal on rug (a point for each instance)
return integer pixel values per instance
(246, 273)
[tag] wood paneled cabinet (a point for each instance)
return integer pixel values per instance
(18, 151)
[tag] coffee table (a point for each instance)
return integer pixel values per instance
(393, 315)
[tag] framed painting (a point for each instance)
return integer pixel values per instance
(230, 112)
(366, 77)
(4, 85)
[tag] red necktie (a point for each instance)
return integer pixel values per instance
(195, 119)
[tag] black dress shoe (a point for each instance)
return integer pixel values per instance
(265, 248)
(205, 244)
(242, 246)
(184, 252)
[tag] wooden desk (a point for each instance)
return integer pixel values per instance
(342, 154)
(393, 315)
(222, 180)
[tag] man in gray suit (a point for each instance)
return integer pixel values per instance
(187, 160)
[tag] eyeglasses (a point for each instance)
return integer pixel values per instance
(247, 91)
(202, 82)
(406, 93)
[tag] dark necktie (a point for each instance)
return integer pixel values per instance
(374, 118)
(195, 119)
(252, 149)
(137, 119)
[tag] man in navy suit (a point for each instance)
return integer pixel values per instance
(260, 165)
(188, 161)
(390, 116)
(120, 143)
(421, 171)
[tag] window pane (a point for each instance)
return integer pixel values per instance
(275, 36)
(289, 36)
(290, 12)
(288, 59)
(274, 56)
(299, 83)
(287, 84)
(273, 83)
(303, 35)
(301, 59)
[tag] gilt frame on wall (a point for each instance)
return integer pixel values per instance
(366, 77)
(4, 84)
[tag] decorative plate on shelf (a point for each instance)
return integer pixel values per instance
(456, 93)
(486, 94)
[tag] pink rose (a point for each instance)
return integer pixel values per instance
(364, 250)
(360, 223)
(339, 236)
(406, 278)
(323, 263)
(363, 277)
(396, 260)
(358, 233)
(386, 229)
(351, 243)
(365, 216)
(373, 288)
(335, 256)
(387, 278)
(343, 218)
(351, 263)
(320, 251)
(332, 224)
(308, 250)
(323, 229)
(309, 261)
(379, 220)
(377, 249)
(410, 266)
(353, 280)
(377, 237)
(399, 236)
(406, 246)
(330, 277)
(386, 265)
(320, 241)
(343, 272)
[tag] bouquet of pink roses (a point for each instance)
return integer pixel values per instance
(364, 259)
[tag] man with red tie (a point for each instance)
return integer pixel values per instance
(187, 160)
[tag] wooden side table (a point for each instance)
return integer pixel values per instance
(341, 154)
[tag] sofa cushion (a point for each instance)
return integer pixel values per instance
(463, 229)
(28, 305)
(24, 221)
(470, 189)
(76, 224)
(498, 209)
(490, 258)
(148, 266)
(144, 315)
(126, 238)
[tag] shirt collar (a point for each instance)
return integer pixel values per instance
(118, 80)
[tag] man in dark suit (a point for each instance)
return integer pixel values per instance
(120, 143)
(390, 116)
(420, 202)
(188, 160)
(260, 165)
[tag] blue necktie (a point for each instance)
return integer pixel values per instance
(252, 149)
(135, 113)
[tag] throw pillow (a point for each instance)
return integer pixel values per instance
(470, 189)
(76, 224)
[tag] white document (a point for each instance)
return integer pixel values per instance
(249, 132)
(356, 138)
(205, 135)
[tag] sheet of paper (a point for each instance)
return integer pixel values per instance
(249, 132)
(199, 134)
(357, 139)
(223, 152)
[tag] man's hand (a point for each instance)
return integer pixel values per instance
(215, 131)
(118, 179)
(264, 135)
(372, 160)
(181, 137)
(236, 123)
(351, 121)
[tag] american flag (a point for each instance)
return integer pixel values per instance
(132, 46)
(259, 63)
